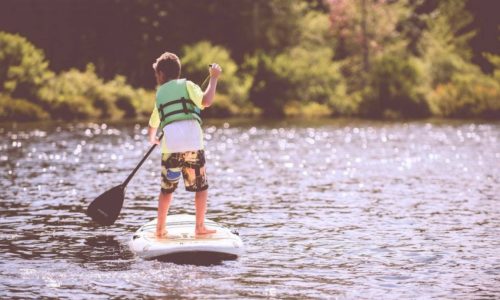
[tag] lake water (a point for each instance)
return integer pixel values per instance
(339, 209)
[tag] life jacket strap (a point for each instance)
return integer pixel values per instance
(184, 109)
(192, 111)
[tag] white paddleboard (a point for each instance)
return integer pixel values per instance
(181, 244)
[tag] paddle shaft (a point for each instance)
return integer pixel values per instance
(124, 184)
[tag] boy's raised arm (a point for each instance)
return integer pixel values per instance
(209, 94)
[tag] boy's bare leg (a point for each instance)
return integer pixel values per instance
(163, 205)
(201, 208)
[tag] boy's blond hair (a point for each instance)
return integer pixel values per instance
(169, 64)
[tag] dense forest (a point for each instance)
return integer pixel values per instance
(81, 59)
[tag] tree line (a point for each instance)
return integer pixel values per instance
(366, 58)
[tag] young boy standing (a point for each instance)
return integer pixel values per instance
(177, 114)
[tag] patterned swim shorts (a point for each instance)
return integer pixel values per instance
(190, 164)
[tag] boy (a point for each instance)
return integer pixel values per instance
(177, 109)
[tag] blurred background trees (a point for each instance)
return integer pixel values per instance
(369, 58)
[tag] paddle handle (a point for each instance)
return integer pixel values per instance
(124, 184)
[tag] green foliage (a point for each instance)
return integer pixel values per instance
(270, 25)
(467, 95)
(233, 86)
(365, 30)
(298, 75)
(269, 91)
(81, 95)
(308, 110)
(394, 89)
(442, 66)
(444, 44)
(23, 68)
(71, 95)
(19, 110)
(196, 58)
(447, 28)
(495, 61)
(32, 92)
(133, 102)
(456, 87)
(296, 58)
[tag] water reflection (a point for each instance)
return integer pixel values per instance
(341, 209)
(105, 253)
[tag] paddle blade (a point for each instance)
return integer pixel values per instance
(105, 209)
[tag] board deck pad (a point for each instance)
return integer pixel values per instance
(182, 245)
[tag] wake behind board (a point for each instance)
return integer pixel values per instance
(182, 245)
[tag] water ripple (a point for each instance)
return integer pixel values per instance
(327, 209)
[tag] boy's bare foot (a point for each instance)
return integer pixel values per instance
(202, 230)
(160, 234)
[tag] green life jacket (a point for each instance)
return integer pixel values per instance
(173, 103)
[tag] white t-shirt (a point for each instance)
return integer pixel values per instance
(185, 135)
(182, 136)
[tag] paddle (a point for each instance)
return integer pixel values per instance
(105, 209)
